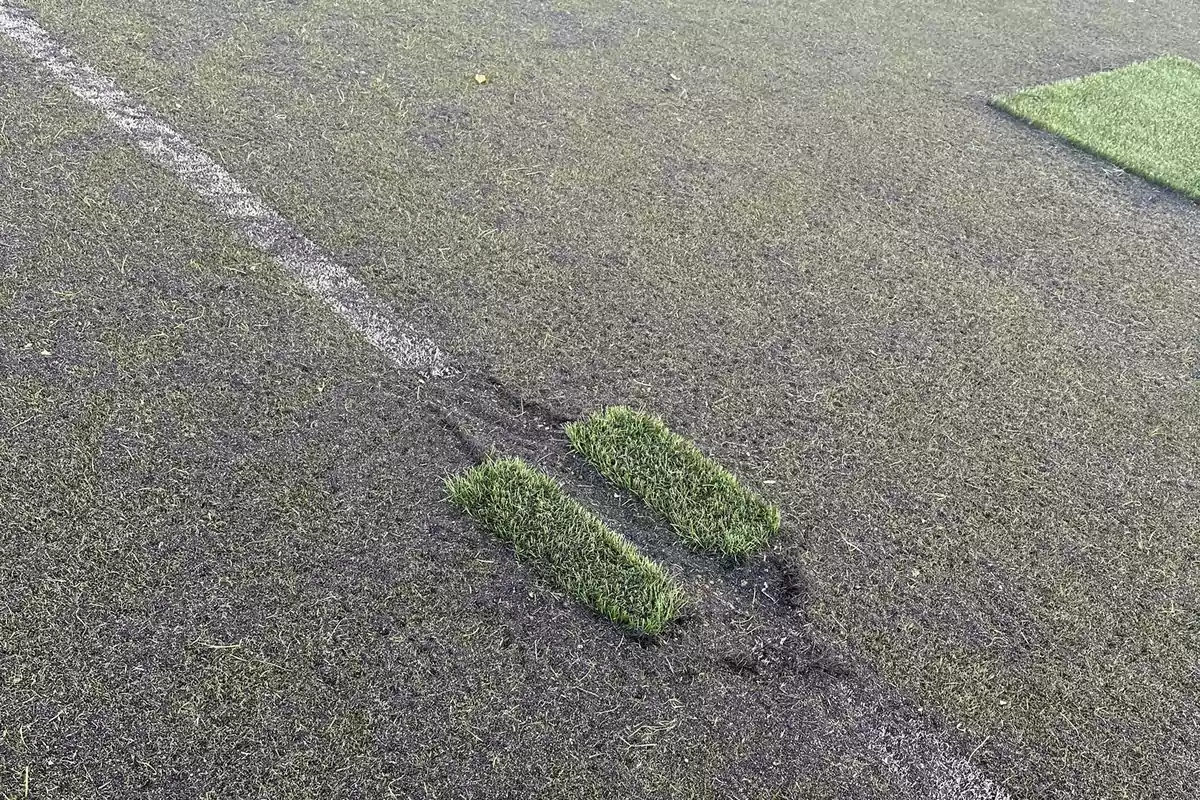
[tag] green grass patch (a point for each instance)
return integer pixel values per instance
(568, 545)
(1143, 118)
(702, 500)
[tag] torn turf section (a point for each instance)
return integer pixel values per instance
(568, 545)
(705, 504)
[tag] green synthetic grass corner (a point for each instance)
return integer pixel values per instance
(567, 545)
(704, 503)
(1142, 117)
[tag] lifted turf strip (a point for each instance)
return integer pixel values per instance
(566, 544)
(704, 503)
(1142, 117)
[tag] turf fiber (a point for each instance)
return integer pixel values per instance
(567, 544)
(705, 504)
(1142, 117)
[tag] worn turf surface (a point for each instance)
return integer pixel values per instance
(702, 500)
(227, 568)
(966, 353)
(568, 545)
(1143, 118)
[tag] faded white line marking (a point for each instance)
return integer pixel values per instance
(262, 226)
(923, 765)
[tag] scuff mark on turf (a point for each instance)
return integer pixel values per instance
(262, 226)
(470, 446)
(548, 413)
(923, 764)
(792, 582)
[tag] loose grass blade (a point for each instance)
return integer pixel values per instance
(568, 545)
(705, 504)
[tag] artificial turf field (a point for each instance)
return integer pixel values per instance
(962, 357)
(1141, 117)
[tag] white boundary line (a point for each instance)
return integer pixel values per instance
(262, 226)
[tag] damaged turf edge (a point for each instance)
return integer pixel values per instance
(567, 545)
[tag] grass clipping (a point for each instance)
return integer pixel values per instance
(704, 503)
(568, 545)
(1142, 117)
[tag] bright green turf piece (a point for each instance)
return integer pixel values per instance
(702, 500)
(1143, 118)
(567, 544)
